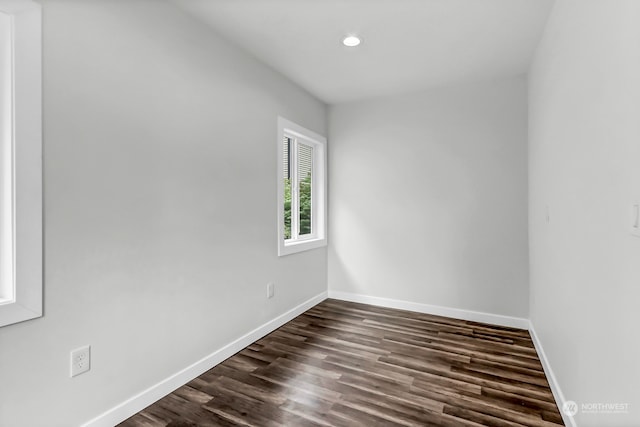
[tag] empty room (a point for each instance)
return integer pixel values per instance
(319, 213)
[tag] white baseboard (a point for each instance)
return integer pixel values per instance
(145, 398)
(456, 313)
(140, 401)
(553, 382)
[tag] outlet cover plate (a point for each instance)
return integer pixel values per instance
(270, 290)
(80, 360)
(634, 228)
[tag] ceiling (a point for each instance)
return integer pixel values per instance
(408, 45)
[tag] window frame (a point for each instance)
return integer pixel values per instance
(21, 298)
(318, 236)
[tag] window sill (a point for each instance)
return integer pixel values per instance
(13, 312)
(300, 246)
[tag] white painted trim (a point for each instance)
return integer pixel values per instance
(24, 299)
(456, 313)
(553, 382)
(7, 166)
(319, 218)
(156, 392)
(145, 398)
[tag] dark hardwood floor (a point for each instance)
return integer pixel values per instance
(347, 364)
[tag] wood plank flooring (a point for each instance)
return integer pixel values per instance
(348, 364)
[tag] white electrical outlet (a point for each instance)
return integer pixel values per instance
(270, 290)
(80, 360)
(547, 215)
(635, 220)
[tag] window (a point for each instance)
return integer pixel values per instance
(20, 162)
(302, 188)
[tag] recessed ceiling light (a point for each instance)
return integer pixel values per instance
(351, 41)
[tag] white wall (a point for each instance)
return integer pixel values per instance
(160, 207)
(428, 199)
(584, 161)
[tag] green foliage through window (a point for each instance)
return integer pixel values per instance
(287, 208)
(305, 207)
